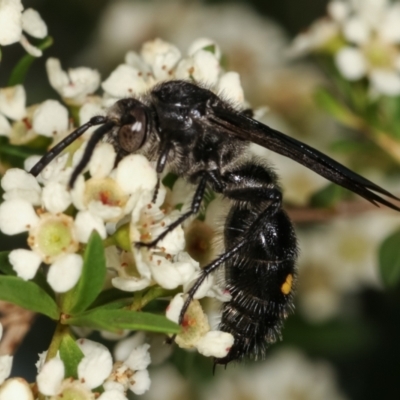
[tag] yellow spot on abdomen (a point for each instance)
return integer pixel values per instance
(287, 285)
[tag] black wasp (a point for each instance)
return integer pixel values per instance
(202, 138)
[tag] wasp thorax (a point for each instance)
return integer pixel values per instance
(132, 134)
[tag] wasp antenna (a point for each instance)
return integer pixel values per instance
(91, 144)
(56, 150)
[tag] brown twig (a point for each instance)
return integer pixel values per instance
(346, 208)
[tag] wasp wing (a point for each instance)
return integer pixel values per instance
(251, 130)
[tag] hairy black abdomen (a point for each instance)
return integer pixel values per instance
(260, 279)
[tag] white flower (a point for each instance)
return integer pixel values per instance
(50, 377)
(25, 263)
(215, 344)
(16, 388)
(96, 364)
(353, 245)
(159, 61)
(64, 273)
(13, 20)
(50, 118)
(12, 102)
(130, 372)
(287, 374)
(75, 85)
(371, 30)
(196, 329)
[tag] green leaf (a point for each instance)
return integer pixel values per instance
(19, 72)
(328, 196)
(389, 259)
(15, 155)
(169, 180)
(111, 296)
(91, 282)
(71, 355)
(41, 281)
(5, 266)
(327, 102)
(28, 295)
(115, 320)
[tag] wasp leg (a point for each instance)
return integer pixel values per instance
(156, 189)
(194, 209)
(275, 197)
(207, 271)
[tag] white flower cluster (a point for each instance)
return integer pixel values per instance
(14, 20)
(115, 201)
(94, 370)
(364, 38)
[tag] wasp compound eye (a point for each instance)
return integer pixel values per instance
(132, 136)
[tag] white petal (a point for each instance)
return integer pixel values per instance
(141, 382)
(134, 60)
(215, 344)
(78, 193)
(16, 178)
(162, 56)
(112, 395)
(33, 24)
(390, 28)
(50, 118)
(201, 43)
(86, 223)
(5, 127)
(12, 102)
(50, 377)
(87, 111)
(338, 10)
(135, 173)
(31, 196)
(17, 216)
(30, 162)
(165, 273)
(386, 82)
(25, 263)
(351, 63)
(10, 22)
(104, 211)
(76, 84)
(64, 273)
(124, 81)
(139, 358)
(203, 66)
(56, 169)
(203, 288)
(57, 77)
(123, 348)
(229, 88)
(56, 198)
(174, 308)
(18, 184)
(5, 367)
(102, 160)
(207, 67)
(356, 30)
(30, 48)
(97, 364)
(130, 284)
(16, 388)
(174, 242)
